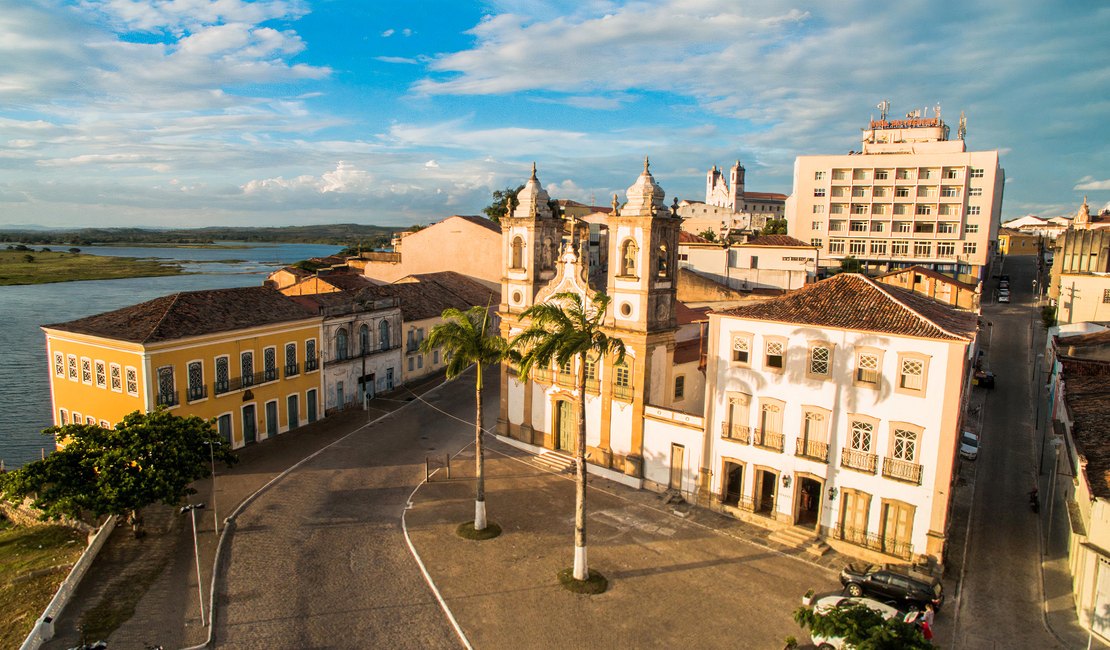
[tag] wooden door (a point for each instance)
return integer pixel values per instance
(897, 527)
(565, 427)
(853, 515)
(678, 453)
(294, 416)
(310, 398)
(271, 419)
(250, 425)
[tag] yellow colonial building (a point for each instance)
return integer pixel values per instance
(246, 357)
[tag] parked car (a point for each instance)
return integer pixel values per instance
(829, 603)
(1004, 297)
(969, 445)
(984, 378)
(1003, 284)
(1004, 277)
(904, 588)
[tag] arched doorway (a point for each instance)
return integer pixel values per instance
(565, 425)
(807, 502)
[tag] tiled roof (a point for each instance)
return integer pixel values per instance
(765, 196)
(1088, 399)
(690, 238)
(347, 281)
(928, 273)
(776, 240)
(478, 221)
(191, 313)
(426, 295)
(854, 302)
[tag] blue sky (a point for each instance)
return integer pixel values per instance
(225, 112)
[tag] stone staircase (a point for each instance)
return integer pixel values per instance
(555, 461)
(800, 538)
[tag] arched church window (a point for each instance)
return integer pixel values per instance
(664, 265)
(629, 250)
(518, 253)
(548, 253)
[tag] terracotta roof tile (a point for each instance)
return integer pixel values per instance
(690, 238)
(776, 240)
(478, 221)
(854, 302)
(928, 273)
(1088, 399)
(191, 313)
(765, 196)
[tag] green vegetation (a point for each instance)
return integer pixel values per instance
(708, 235)
(46, 266)
(850, 264)
(1048, 316)
(148, 458)
(594, 584)
(774, 227)
(862, 628)
(34, 561)
(466, 530)
(504, 201)
(340, 234)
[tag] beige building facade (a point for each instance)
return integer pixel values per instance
(910, 196)
(464, 244)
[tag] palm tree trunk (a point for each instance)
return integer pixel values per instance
(581, 571)
(479, 459)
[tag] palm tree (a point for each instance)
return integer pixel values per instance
(465, 339)
(563, 330)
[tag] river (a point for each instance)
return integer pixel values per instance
(24, 373)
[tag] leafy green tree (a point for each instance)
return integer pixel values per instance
(708, 235)
(565, 330)
(147, 458)
(75, 250)
(861, 628)
(466, 339)
(850, 264)
(29, 258)
(504, 201)
(774, 227)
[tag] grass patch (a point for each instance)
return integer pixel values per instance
(466, 531)
(594, 584)
(59, 266)
(33, 563)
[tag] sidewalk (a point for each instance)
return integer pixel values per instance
(150, 585)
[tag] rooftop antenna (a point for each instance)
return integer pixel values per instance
(936, 109)
(961, 131)
(883, 107)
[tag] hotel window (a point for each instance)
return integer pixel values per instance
(923, 227)
(857, 247)
(926, 173)
(902, 226)
(879, 192)
(836, 246)
(223, 375)
(969, 248)
(878, 248)
(946, 228)
(859, 175)
(840, 174)
(859, 192)
(878, 226)
(72, 359)
(862, 433)
(195, 372)
(1105, 296)
(679, 387)
(973, 210)
(882, 174)
(816, 225)
(838, 208)
(927, 190)
(901, 208)
(86, 371)
(101, 375)
(132, 381)
(59, 365)
(63, 417)
(911, 373)
(117, 378)
(269, 363)
(858, 226)
(924, 209)
(820, 356)
(774, 355)
(836, 225)
(951, 173)
(901, 192)
(975, 191)
(950, 190)
(859, 208)
(900, 248)
(819, 208)
(972, 228)
(819, 243)
(741, 349)
(819, 176)
(904, 174)
(905, 445)
(818, 191)
(946, 249)
(246, 368)
(976, 172)
(867, 368)
(922, 248)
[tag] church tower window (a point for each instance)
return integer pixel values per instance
(518, 253)
(629, 250)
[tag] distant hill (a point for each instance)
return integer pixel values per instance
(341, 234)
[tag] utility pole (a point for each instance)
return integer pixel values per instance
(192, 509)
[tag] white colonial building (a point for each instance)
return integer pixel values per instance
(836, 408)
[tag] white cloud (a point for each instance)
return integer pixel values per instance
(344, 178)
(397, 59)
(1089, 183)
(387, 33)
(431, 164)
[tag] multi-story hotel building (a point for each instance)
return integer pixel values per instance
(911, 196)
(247, 357)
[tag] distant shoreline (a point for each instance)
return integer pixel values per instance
(55, 266)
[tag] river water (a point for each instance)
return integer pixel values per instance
(24, 372)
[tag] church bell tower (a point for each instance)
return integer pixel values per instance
(531, 235)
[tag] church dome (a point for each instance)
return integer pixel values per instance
(645, 197)
(532, 199)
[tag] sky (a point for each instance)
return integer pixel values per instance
(175, 113)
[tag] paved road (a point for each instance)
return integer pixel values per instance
(1002, 601)
(319, 560)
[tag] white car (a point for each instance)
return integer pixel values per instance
(829, 603)
(969, 445)
(1004, 297)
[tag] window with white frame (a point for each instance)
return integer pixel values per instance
(974, 210)
(970, 248)
(902, 192)
(950, 190)
(976, 172)
(857, 226)
(246, 368)
(90, 420)
(867, 368)
(857, 247)
(905, 174)
(946, 227)
(770, 418)
(132, 381)
(878, 248)
(972, 228)
(946, 249)
(741, 349)
(838, 208)
(903, 226)
(815, 427)
(882, 174)
(819, 176)
(101, 375)
(905, 445)
(818, 208)
(836, 246)
(951, 173)
(63, 417)
(59, 365)
(862, 434)
(819, 358)
(774, 356)
(818, 191)
(818, 242)
(912, 374)
(680, 387)
(975, 191)
(816, 225)
(878, 226)
(195, 372)
(86, 371)
(117, 377)
(72, 361)
(104, 424)
(900, 248)
(223, 375)
(922, 248)
(1105, 296)
(924, 209)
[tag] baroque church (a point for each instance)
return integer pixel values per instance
(631, 428)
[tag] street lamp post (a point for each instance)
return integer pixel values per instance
(212, 457)
(192, 509)
(1056, 444)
